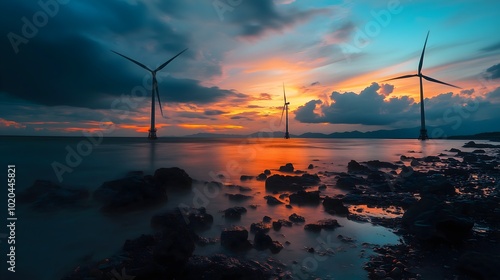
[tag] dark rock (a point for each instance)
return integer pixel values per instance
(196, 219)
(223, 267)
(261, 177)
(480, 265)
(275, 247)
(347, 183)
(244, 189)
(472, 144)
(175, 246)
(327, 224)
(296, 218)
(267, 219)
(291, 183)
(453, 150)
(432, 159)
(303, 197)
(479, 151)
(311, 249)
(267, 172)
(260, 227)
(271, 200)
(335, 206)
(47, 196)
(234, 212)
(354, 167)
(322, 187)
(173, 178)
(414, 162)
(287, 168)
(235, 238)
(245, 177)
(130, 193)
(262, 241)
(277, 225)
(433, 219)
(381, 164)
(238, 197)
(310, 166)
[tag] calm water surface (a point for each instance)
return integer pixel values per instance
(51, 244)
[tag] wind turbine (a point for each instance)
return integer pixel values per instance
(423, 130)
(152, 130)
(285, 108)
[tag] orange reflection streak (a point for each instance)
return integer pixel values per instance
(140, 128)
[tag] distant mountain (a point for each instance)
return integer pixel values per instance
(404, 133)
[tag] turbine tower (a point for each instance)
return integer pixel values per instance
(152, 129)
(423, 130)
(285, 108)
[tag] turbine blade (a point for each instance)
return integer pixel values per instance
(401, 77)
(439, 82)
(284, 95)
(158, 94)
(168, 61)
(134, 61)
(282, 115)
(422, 56)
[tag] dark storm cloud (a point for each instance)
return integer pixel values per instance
(193, 115)
(68, 62)
(493, 72)
(256, 17)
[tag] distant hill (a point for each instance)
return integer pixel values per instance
(492, 136)
(404, 133)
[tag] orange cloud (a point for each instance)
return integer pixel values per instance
(12, 124)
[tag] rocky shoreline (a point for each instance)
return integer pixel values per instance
(445, 209)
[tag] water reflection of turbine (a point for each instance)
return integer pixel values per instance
(152, 155)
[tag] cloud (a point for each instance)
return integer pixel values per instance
(193, 115)
(467, 91)
(386, 89)
(493, 72)
(254, 18)
(264, 96)
(214, 112)
(490, 48)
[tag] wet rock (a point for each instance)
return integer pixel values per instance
(480, 265)
(432, 159)
(238, 197)
(267, 219)
(47, 196)
(479, 151)
(275, 247)
(276, 225)
(224, 267)
(335, 206)
(380, 164)
(175, 246)
(260, 227)
(196, 219)
(131, 193)
(414, 162)
(296, 218)
(354, 167)
(267, 172)
(327, 224)
(262, 241)
(287, 168)
(291, 183)
(235, 238)
(245, 177)
(472, 144)
(310, 166)
(303, 197)
(347, 183)
(271, 200)
(234, 212)
(172, 178)
(261, 177)
(433, 219)
(453, 150)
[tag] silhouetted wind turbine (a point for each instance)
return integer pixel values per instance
(152, 130)
(285, 108)
(423, 130)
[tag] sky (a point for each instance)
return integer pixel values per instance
(58, 75)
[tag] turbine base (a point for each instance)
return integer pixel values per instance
(287, 135)
(423, 134)
(152, 134)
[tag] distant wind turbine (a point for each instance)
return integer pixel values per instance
(423, 130)
(152, 130)
(285, 108)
